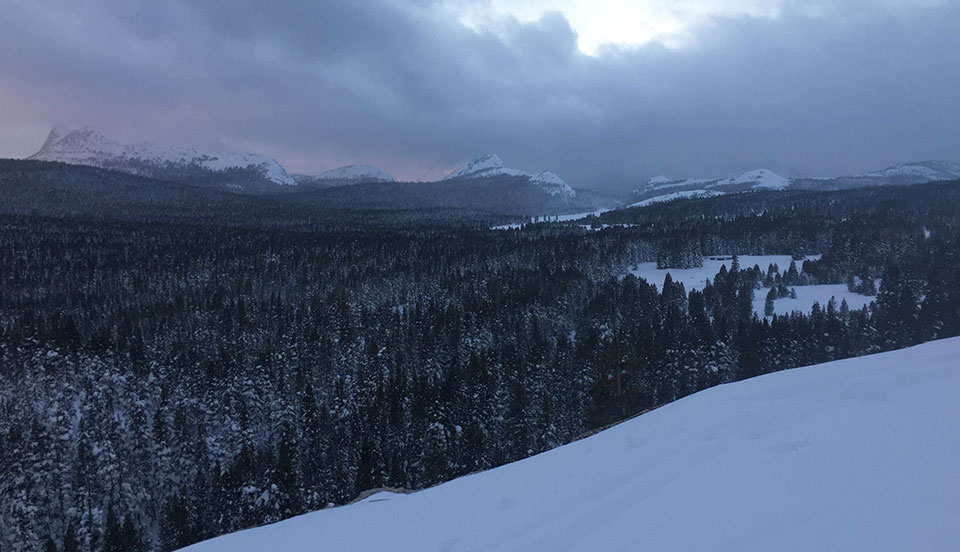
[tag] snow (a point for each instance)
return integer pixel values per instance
(808, 295)
(858, 454)
(925, 170)
(553, 218)
(552, 184)
(483, 167)
(686, 194)
(358, 173)
(578, 216)
(271, 170)
(755, 179)
(760, 178)
(87, 146)
(491, 165)
(695, 278)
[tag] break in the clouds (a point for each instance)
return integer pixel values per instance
(419, 87)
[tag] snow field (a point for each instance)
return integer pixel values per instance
(695, 278)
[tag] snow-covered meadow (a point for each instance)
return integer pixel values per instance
(696, 278)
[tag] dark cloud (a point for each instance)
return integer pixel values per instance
(406, 86)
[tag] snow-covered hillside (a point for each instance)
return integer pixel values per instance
(661, 188)
(87, 146)
(760, 178)
(925, 171)
(859, 454)
(483, 167)
(354, 173)
(685, 194)
(489, 166)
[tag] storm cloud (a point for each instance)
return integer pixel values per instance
(407, 86)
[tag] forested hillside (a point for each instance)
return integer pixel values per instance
(172, 370)
(746, 467)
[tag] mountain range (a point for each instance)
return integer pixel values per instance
(88, 146)
(661, 188)
(484, 184)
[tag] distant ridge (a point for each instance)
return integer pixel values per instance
(661, 188)
(492, 166)
(346, 175)
(88, 146)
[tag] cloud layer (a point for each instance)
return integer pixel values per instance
(407, 86)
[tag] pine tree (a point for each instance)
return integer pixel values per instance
(768, 302)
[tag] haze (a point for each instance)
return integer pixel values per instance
(604, 94)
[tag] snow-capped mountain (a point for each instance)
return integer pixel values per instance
(760, 178)
(552, 184)
(922, 171)
(661, 188)
(484, 167)
(87, 146)
(491, 166)
(355, 173)
(857, 454)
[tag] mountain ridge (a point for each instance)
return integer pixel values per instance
(88, 146)
(491, 166)
(662, 188)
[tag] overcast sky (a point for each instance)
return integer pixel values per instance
(603, 93)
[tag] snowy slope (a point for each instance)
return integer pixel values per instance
(760, 178)
(491, 165)
(661, 188)
(927, 171)
(552, 184)
(484, 167)
(858, 454)
(87, 146)
(685, 194)
(355, 173)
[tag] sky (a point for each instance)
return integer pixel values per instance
(604, 93)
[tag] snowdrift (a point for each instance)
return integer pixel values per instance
(860, 454)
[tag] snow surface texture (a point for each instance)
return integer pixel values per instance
(356, 173)
(491, 165)
(859, 454)
(87, 146)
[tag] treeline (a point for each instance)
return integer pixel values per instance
(163, 382)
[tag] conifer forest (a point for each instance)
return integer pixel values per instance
(180, 363)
